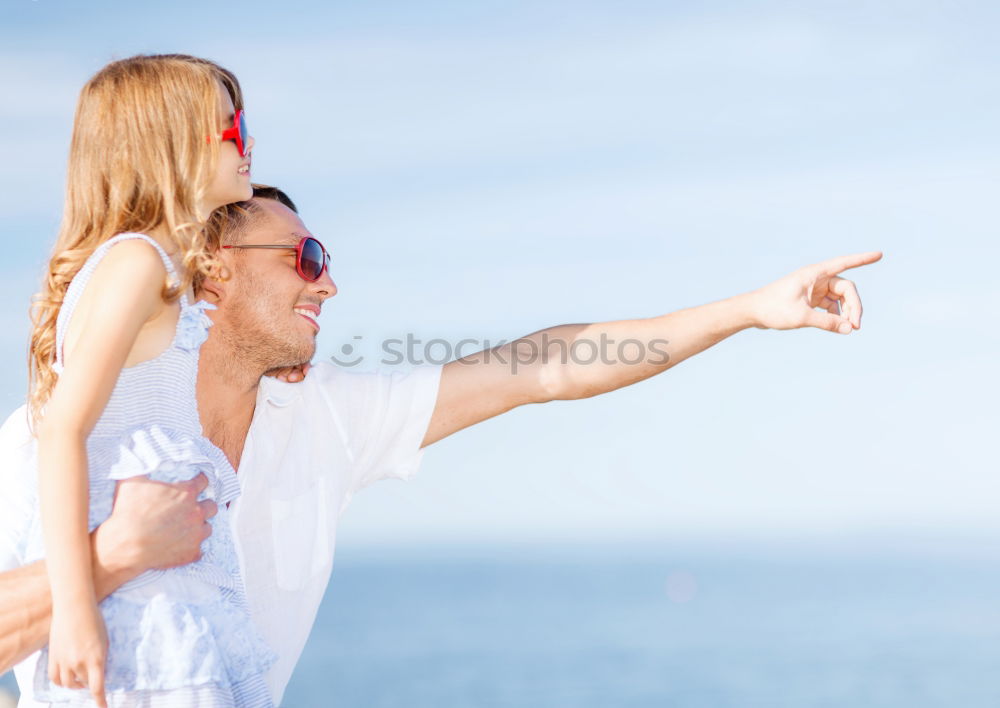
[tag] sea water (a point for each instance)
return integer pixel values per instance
(655, 626)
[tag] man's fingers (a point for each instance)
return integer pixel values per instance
(830, 304)
(198, 483)
(851, 301)
(290, 374)
(209, 507)
(842, 263)
(829, 322)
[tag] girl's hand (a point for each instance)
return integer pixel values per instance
(78, 647)
(291, 374)
(789, 303)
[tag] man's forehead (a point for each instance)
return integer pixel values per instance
(276, 224)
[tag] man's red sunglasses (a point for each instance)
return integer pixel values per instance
(238, 132)
(311, 259)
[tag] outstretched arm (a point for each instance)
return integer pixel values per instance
(151, 525)
(582, 360)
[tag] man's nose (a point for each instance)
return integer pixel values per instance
(324, 285)
(249, 146)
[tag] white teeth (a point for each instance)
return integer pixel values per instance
(307, 313)
(244, 170)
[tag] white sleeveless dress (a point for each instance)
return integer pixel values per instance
(181, 636)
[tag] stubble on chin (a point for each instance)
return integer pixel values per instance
(262, 331)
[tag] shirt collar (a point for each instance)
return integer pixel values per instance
(278, 393)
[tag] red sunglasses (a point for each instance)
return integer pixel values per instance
(311, 259)
(238, 132)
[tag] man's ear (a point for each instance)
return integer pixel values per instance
(213, 288)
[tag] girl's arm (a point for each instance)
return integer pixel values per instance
(152, 525)
(125, 293)
(26, 610)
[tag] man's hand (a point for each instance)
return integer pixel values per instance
(789, 303)
(154, 525)
(290, 374)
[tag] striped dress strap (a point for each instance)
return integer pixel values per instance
(79, 282)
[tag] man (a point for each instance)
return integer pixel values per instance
(303, 449)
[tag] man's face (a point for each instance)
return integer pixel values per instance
(269, 312)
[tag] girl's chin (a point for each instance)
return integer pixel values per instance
(239, 195)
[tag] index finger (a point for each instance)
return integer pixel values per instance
(96, 681)
(842, 263)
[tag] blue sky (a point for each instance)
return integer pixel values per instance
(489, 169)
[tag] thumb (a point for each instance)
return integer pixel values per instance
(829, 322)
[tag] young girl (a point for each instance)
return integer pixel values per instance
(158, 143)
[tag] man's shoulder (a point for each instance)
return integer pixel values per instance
(329, 377)
(338, 387)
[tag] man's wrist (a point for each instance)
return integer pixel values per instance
(745, 307)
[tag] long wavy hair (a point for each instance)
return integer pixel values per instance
(139, 160)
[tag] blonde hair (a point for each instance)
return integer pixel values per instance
(139, 160)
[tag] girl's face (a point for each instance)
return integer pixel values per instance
(231, 182)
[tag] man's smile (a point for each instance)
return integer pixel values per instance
(310, 313)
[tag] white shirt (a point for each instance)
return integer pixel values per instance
(310, 447)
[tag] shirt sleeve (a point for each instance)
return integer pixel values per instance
(385, 416)
(17, 450)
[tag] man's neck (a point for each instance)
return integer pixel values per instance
(227, 396)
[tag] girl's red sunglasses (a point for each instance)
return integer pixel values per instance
(238, 132)
(311, 259)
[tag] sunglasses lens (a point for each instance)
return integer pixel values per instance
(243, 133)
(312, 260)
